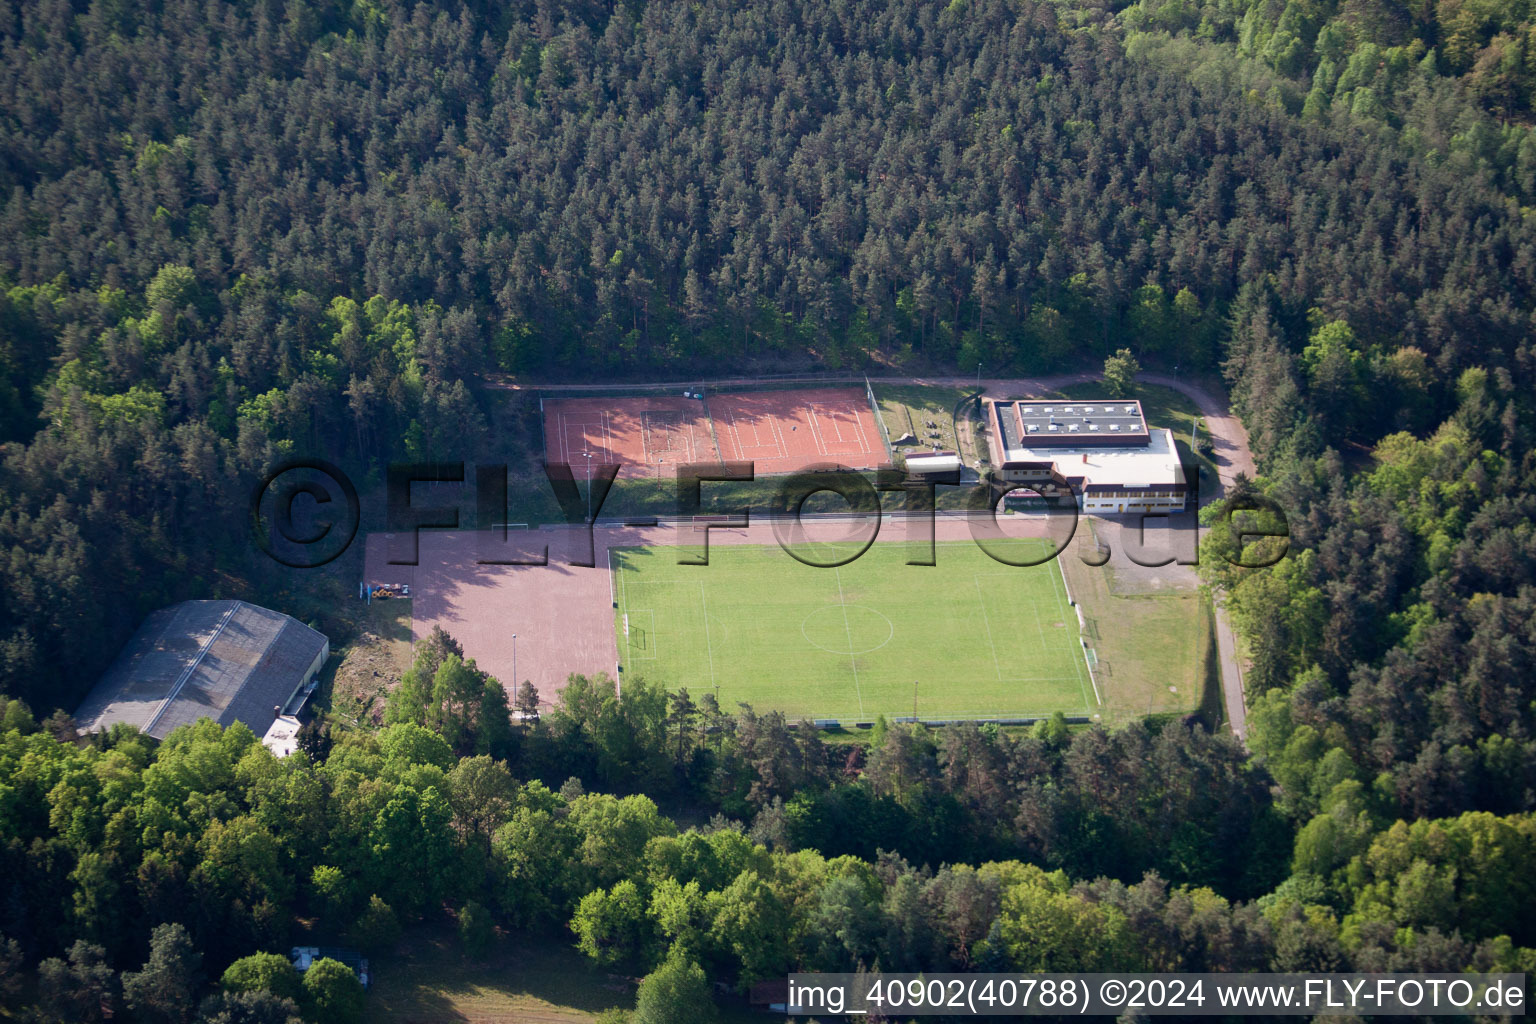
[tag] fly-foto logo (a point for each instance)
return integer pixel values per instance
(305, 513)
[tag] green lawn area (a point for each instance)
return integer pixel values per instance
(909, 408)
(1155, 651)
(981, 639)
(431, 978)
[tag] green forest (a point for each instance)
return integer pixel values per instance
(231, 234)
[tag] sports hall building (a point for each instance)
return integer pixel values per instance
(1100, 450)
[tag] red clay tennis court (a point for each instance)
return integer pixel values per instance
(785, 431)
(778, 431)
(648, 436)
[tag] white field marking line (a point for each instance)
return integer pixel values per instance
(837, 424)
(855, 433)
(1045, 679)
(780, 443)
(1040, 628)
(569, 422)
(611, 598)
(1040, 631)
(730, 416)
(653, 452)
(741, 442)
(981, 599)
(1098, 700)
(722, 437)
(623, 590)
(747, 435)
(650, 637)
(1064, 646)
(889, 636)
(571, 451)
(709, 646)
(866, 447)
(774, 436)
(864, 432)
(848, 630)
(624, 602)
(617, 654)
(821, 441)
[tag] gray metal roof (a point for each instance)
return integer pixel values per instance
(226, 660)
(1064, 423)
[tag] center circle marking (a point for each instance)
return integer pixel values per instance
(862, 624)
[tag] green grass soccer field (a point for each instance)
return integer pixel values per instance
(979, 638)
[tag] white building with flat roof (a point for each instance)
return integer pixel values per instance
(1102, 451)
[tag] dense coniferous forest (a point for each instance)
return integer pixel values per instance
(236, 232)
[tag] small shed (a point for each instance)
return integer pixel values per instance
(304, 957)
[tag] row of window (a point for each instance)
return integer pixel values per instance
(1142, 493)
(1134, 506)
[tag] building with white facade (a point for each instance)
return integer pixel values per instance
(1102, 451)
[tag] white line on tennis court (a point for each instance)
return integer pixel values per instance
(855, 431)
(848, 631)
(837, 425)
(735, 432)
(608, 447)
(821, 442)
(776, 433)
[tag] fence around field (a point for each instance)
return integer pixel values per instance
(940, 723)
(743, 385)
(652, 435)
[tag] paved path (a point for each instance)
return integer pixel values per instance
(1232, 457)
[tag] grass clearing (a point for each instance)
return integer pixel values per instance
(911, 408)
(1153, 649)
(370, 666)
(980, 639)
(523, 979)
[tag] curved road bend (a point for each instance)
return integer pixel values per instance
(1232, 457)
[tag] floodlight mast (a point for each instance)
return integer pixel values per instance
(588, 456)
